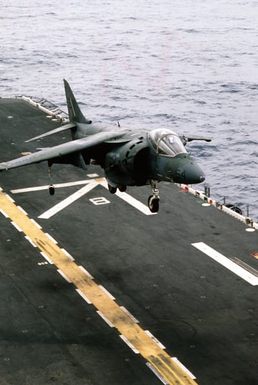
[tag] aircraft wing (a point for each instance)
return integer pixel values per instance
(61, 150)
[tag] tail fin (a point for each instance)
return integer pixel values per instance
(75, 114)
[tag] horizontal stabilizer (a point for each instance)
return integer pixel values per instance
(52, 132)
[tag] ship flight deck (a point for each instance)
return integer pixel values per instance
(95, 289)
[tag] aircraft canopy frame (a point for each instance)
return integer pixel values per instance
(166, 142)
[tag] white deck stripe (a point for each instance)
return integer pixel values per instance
(128, 343)
(224, 261)
(51, 238)
(46, 257)
(4, 214)
(155, 340)
(184, 368)
(46, 187)
(22, 210)
(31, 242)
(105, 319)
(68, 255)
(156, 373)
(86, 272)
(93, 175)
(66, 202)
(84, 296)
(17, 227)
(130, 200)
(107, 292)
(35, 223)
(129, 314)
(11, 199)
(64, 276)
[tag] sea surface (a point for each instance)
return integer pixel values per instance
(188, 65)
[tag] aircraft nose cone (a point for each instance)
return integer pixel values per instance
(191, 173)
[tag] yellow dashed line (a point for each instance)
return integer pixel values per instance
(161, 362)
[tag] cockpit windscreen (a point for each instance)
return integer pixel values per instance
(166, 142)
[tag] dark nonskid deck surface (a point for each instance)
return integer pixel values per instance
(122, 293)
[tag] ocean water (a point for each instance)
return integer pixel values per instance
(188, 65)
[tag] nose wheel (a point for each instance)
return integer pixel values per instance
(153, 201)
(153, 204)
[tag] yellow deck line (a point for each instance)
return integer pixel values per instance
(162, 363)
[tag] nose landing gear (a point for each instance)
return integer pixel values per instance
(153, 201)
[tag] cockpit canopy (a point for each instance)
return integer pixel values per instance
(166, 142)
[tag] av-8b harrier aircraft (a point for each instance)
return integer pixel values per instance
(129, 157)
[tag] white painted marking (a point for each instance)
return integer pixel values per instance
(86, 272)
(135, 203)
(64, 276)
(224, 261)
(129, 314)
(246, 266)
(105, 319)
(92, 175)
(51, 238)
(4, 213)
(22, 210)
(128, 343)
(250, 229)
(88, 186)
(42, 263)
(206, 204)
(184, 368)
(83, 296)
(17, 227)
(31, 242)
(10, 199)
(130, 200)
(106, 292)
(45, 187)
(46, 257)
(156, 373)
(99, 201)
(66, 202)
(68, 255)
(155, 339)
(35, 223)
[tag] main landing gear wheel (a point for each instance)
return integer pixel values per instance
(122, 188)
(153, 204)
(112, 189)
